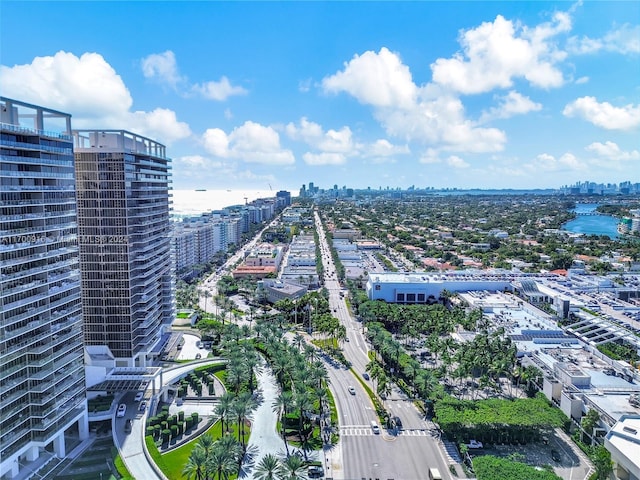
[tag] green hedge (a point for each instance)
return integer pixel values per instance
(498, 421)
(488, 467)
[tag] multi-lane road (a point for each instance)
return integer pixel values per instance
(406, 454)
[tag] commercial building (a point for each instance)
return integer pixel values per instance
(425, 287)
(42, 385)
(124, 235)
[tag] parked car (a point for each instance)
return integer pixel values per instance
(143, 406)
(122, 409)
(315, 471)
(474, 444)
(555, 455)
(139, 396)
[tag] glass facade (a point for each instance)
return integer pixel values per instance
(123, 192)
(42, 388)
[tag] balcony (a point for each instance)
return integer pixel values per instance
(9, 127)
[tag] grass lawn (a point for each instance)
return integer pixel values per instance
(172, 463)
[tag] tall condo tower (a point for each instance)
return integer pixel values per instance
(42, 387)
(125, 250)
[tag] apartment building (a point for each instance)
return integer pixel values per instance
(42, 384)
(123, 183)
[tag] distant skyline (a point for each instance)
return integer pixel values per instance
(274, 95)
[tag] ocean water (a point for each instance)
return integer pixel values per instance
(195, 202)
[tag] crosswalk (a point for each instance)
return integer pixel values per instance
(365, 430)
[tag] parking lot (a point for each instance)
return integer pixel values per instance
(571, 464)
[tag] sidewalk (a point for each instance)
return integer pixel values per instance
(264, 438)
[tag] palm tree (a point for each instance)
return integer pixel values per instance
(221, 464)
(298, 341)
(206, 294)
(196, 464)
(269, 468)
(293, 467)
(282, 405)
(242, 406)
(223, 409)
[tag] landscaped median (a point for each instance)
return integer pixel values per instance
(380, 410)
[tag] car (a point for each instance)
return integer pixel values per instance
(352, 390)
(375, 427)
(122, 409)
(315, 471)
(365, 376)
(128, 425)
(555, 455)
(139, 396)
(397, 422)
(198, 356)
(143, 406)
(474, 444)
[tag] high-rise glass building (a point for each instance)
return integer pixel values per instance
(42, 383)
(124, 229)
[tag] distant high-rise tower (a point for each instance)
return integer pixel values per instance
(42, 383)
(125, 250)
(283, 197)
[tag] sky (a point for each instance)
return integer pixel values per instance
(257, 95)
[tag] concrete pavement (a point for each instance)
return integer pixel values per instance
(264, 438)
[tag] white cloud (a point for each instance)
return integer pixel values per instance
(430, 156)
(314, 136)
(219, 91)
(384, 148)
(424, 114)
(324, 158)
(378, 79)
(85, 86)
(624, 40)
(216, 142)
(611, 151)
(513, 103)
(545, 162)
(304, 85)
(496, 53)
(163, 67)
(191, 161)
(603, 114)
(456, 162)
(582, 80)
(251, 142)
(90, 89)
(161, 124)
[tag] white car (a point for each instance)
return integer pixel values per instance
(352, 390)
(122, 409)
(474, 444)
(139, 396)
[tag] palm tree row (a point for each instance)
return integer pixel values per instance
(270, 467)
(302, 379)
(214, 459)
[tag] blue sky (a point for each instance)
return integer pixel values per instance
(431, 94)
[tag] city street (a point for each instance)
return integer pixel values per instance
(406, 454)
